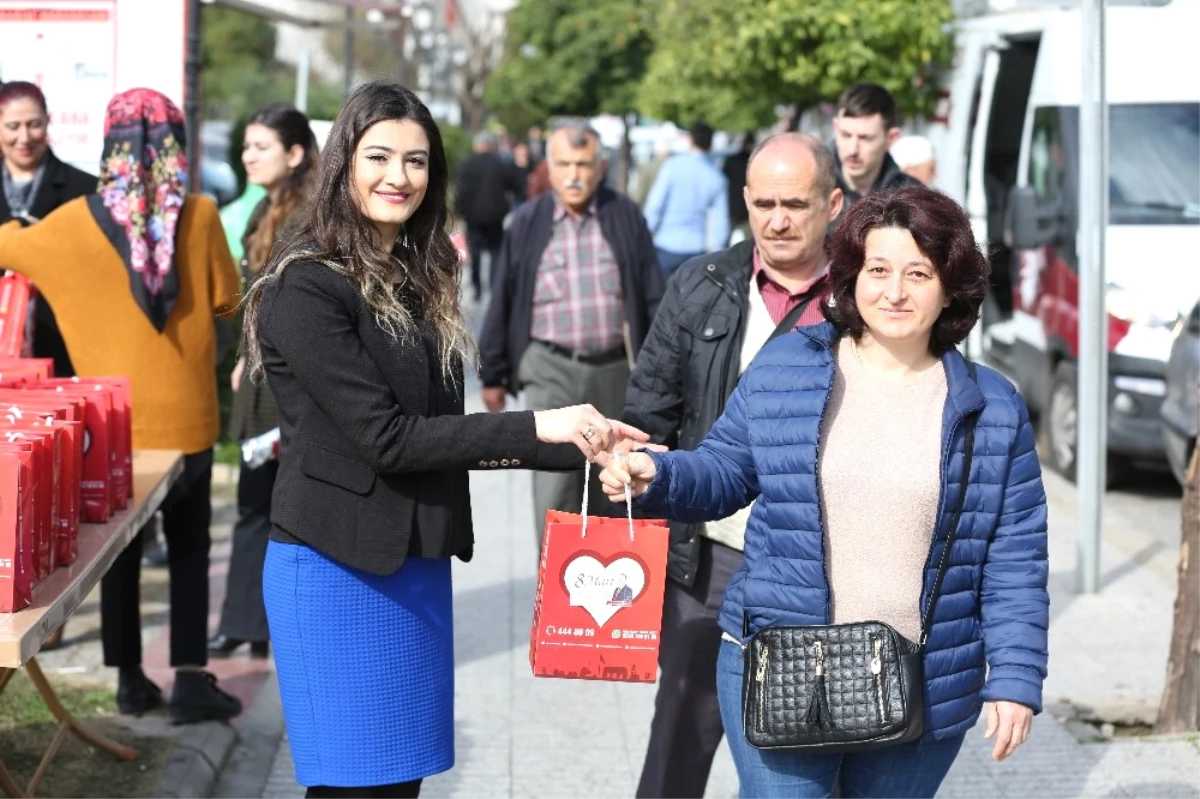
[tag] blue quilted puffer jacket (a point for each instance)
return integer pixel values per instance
(994, 607)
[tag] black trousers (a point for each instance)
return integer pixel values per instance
(687, 728)
(244, 616)
(187, 513)
(481, 239)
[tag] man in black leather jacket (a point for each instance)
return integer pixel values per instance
(718, 310)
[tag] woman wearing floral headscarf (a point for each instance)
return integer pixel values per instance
(135, 274)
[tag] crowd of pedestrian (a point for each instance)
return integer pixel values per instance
(769, 341)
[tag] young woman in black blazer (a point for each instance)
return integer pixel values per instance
(358, 328)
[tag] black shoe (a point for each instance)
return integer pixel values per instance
(197, 698)
(136, 694)
(222, 646)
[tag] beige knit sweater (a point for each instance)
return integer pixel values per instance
(880, 476)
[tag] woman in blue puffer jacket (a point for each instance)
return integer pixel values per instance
(849, 438)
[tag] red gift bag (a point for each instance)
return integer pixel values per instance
(598, 611)
(16, 530)
(14, 308)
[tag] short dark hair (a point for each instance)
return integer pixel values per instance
(22, 90)
(702, 135)
(941, 230)
(869, 99)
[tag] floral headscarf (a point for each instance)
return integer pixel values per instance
(142, 186)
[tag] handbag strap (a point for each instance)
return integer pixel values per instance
(788, 323)
(969, 435)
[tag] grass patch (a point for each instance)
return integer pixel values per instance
(20, 703)
(78, 770)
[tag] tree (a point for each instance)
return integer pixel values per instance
(483, 50)
(732, 63)
(1180, 708)
(571, 58)
(238, 65)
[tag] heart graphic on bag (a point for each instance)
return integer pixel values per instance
(602, 589)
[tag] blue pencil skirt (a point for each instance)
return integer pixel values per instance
(365, 666)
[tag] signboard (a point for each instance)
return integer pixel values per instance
(82, 52)
(68, 49)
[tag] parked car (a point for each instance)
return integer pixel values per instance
(1181, 406)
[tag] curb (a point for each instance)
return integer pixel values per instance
(194, 765)
(201, 750)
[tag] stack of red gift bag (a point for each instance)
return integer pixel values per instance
(66, 457)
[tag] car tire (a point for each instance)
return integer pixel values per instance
(1060, 424)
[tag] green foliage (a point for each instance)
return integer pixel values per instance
(564, 57)
(733, 62)
(237, 61)
(240, 73)
(457, 143)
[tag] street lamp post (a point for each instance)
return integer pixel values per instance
(348, 58)
(191, 100)
(1091, 431)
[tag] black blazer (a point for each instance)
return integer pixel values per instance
(505, 332)
(356, 441)
(60, 184)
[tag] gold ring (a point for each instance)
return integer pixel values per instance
(588, 432)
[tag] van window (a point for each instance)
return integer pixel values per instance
(1053, 168)
(1154, 162)
(1051, 152)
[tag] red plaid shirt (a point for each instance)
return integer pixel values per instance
(780, 301)
(577, 298)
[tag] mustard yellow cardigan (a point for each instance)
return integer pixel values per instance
(173, 373)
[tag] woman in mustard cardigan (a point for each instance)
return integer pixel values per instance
(136, 273)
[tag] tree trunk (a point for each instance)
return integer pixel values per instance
(630, 119)
(794, 115)
(1180, 708)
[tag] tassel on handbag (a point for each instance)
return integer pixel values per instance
(818, 714)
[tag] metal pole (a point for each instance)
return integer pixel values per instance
(191, 100)
(1092, 427)
(348, 58)
(302, 67)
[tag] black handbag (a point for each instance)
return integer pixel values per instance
(841, 687)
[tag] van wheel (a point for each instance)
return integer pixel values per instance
(1061, 425)
(1061, 421)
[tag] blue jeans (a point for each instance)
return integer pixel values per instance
(908, 770)
(669, 261)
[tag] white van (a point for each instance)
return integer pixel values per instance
(1007, 134)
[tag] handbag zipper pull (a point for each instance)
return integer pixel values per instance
(820, 653)
(877, 670)
(761, 676)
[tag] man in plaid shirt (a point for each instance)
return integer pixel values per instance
(575, 289)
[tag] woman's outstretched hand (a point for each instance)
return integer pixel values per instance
(586, 428)
(635, 469)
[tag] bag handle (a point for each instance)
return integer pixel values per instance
(587, 479)
(927, 618)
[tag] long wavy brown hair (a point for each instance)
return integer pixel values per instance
(291, 127)
(335, 233)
